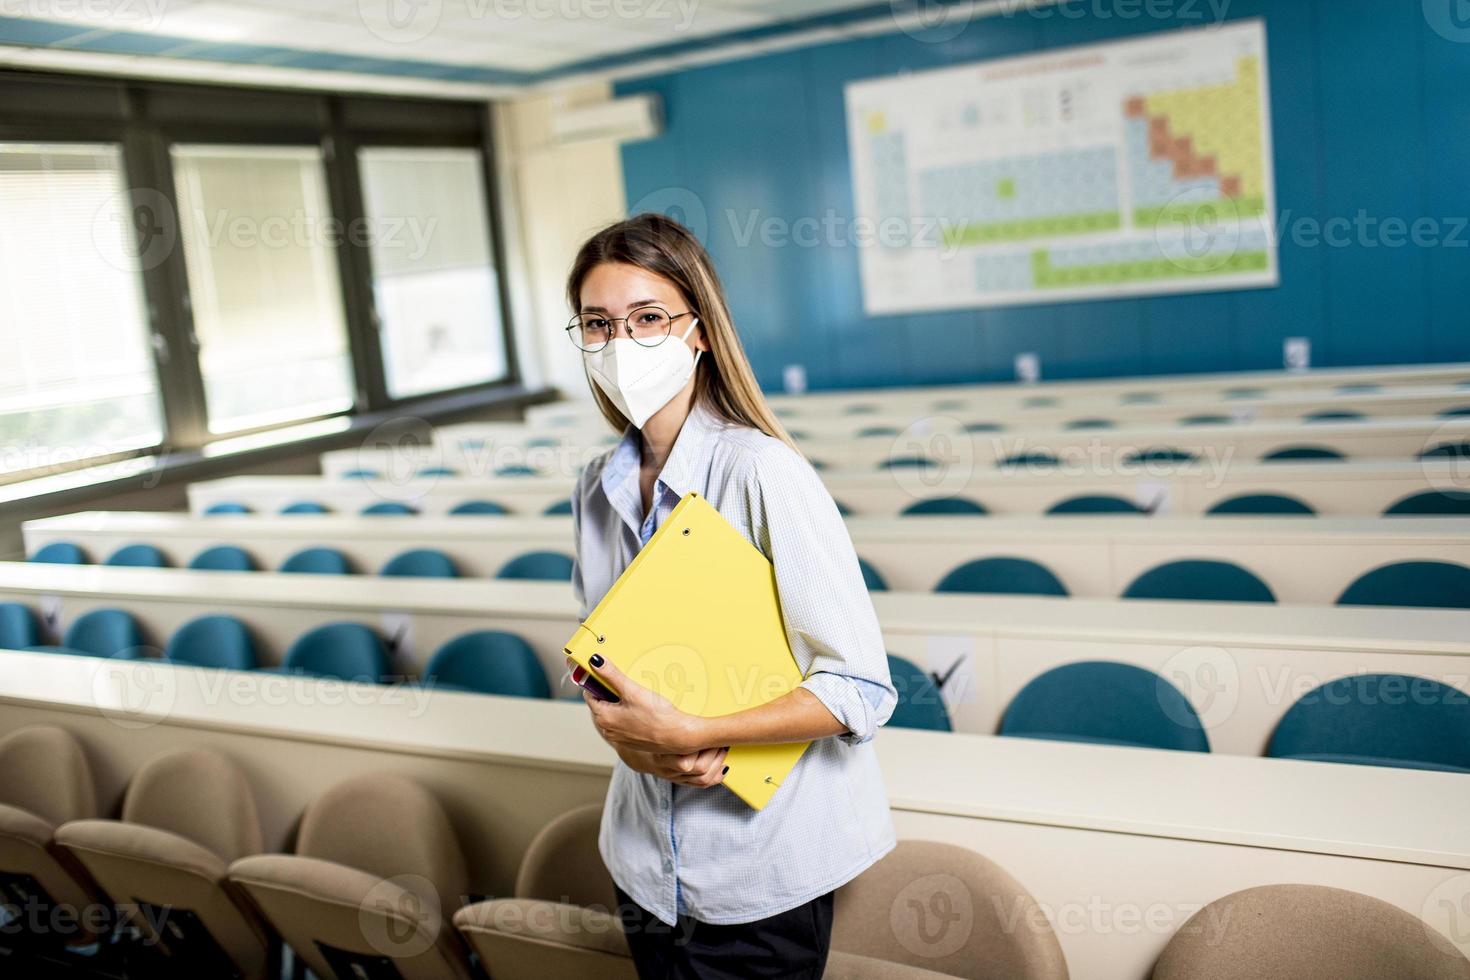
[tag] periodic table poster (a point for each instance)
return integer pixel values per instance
(1121, 169)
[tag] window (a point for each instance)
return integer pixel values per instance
(434, 279)
(260, 249)
(79, 379)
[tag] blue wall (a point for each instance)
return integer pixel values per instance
(1371, 113)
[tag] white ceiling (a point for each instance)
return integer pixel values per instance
(521, 36)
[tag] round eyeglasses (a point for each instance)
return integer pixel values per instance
(649, 326)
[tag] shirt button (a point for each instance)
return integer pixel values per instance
(668, 867)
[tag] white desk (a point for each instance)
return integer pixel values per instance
(1352, 489)
(476, 450)
(1241, 666)
(1307, 560)
(1102, 836)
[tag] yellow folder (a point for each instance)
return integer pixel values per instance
(696, 618)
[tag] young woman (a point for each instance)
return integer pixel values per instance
(710, 887)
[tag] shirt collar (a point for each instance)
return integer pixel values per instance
(682, 470)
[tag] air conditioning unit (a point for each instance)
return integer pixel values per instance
(625, 120)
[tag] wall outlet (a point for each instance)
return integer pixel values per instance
(1296, 353)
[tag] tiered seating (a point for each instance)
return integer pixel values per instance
(1291, 658)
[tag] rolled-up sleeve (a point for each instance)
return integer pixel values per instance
(829, 616)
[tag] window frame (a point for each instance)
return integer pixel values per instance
(147, 118)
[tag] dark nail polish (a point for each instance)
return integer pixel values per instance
(724, 770)
(595, 660)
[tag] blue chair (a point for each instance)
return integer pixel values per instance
(60, 553)
(546, 566)
(1432, 503)
(1002, 576)
(1334, 416)
(477, 507)
(516, 469)
(871, 578)
(1262, 504)
(1358, 389)
(1039, 401)
(1430, 584)
(878, 430)
(1095, 505)
(18, 627)
(435, 471)
(951, 405)
(317, 561)
(1455, 413)
(488, 662)
(388, 508)
(1206, 420)
(1378, 720)
(421, 563)
(226, 507)
(862, 409)
(984, 427)
(953, 506)
(1303, 454)
(1028, 459)
(223, 558)
(349, 651)
(1240, 393)
(212, 641)
(104, 633)
(1081, 424)
(137, 556)
(906, 463)
(920, 704)
(1105, 703)
(1140, 398)
(1165, 454)
(559, 509)
(543, 442)
(1199, 581)
(842, 508)
(362, 474)
(1448, 450)
(816, 464)
(305, 507)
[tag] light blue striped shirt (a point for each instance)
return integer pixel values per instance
(703, 852)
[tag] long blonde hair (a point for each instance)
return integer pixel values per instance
(723, 380)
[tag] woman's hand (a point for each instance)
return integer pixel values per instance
(642, 721)
(706, 768)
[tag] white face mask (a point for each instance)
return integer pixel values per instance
(641, 380)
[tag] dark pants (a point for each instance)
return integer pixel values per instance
(788, 946)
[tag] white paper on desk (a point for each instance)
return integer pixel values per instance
(952, 658)
(398, 637)
(1154, 496)
(51, 617)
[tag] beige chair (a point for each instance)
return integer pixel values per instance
(47, 782)
(562, 924)
(945, 908)
(377, 872)
(186, 816)
(1302, 932)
